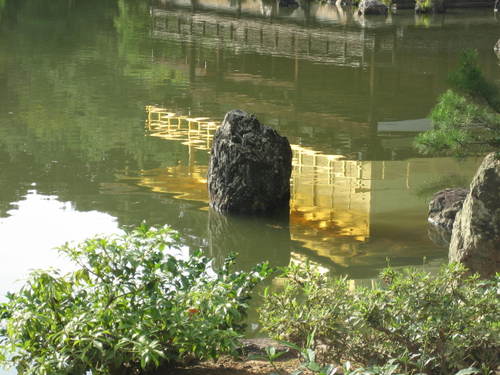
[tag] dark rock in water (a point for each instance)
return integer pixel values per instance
(475, 240)
(288, 4)
(430, 6)
(444, 206)
(250, 167)
(368, 7)
(344, 3)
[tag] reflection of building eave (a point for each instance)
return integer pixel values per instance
(407, 126)
(257, 80)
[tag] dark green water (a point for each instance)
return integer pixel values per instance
(76, 157)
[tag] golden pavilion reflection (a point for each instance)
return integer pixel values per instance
(336, 204)
(329, 195)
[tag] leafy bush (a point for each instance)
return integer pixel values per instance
(129, 308)
(422, 323)
(312, 302)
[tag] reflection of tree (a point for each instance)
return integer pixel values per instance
(2, 5)
(80, 92)
(72, 97)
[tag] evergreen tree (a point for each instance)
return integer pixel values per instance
(465, 120)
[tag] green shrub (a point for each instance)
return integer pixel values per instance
(312, 302)
(128, 308)
(424, 324)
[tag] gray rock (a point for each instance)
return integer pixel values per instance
(444, 206)
(475, 240)
(250, 167)
(439, 236)
(368, 7)
(497, 46)
(257, 346)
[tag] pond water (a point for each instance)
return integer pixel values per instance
(107, 108)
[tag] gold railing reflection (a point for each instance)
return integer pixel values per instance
(196, 132)
(330, 196)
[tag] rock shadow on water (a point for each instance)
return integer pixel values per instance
(255, 239)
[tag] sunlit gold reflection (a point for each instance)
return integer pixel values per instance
(330, 196)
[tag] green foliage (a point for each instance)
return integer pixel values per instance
(460, 127)
(309, 362)
(427, 6)
(129, 308)
(272, 355)
(310, 301)
(467, 122)
(424, 5)
(420, 323)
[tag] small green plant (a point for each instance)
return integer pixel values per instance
(309, 362)
(130, 307)
(417, 322)
(272, 355)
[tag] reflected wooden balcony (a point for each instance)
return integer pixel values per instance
(330, 196)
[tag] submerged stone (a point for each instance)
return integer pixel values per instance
(475, 240)
(369, 7)
(250, 167)
(444, 206)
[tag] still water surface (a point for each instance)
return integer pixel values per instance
(107, 108)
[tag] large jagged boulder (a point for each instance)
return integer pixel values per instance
(250, 167)
(475, 240)
(368, 7)
(444, 206)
